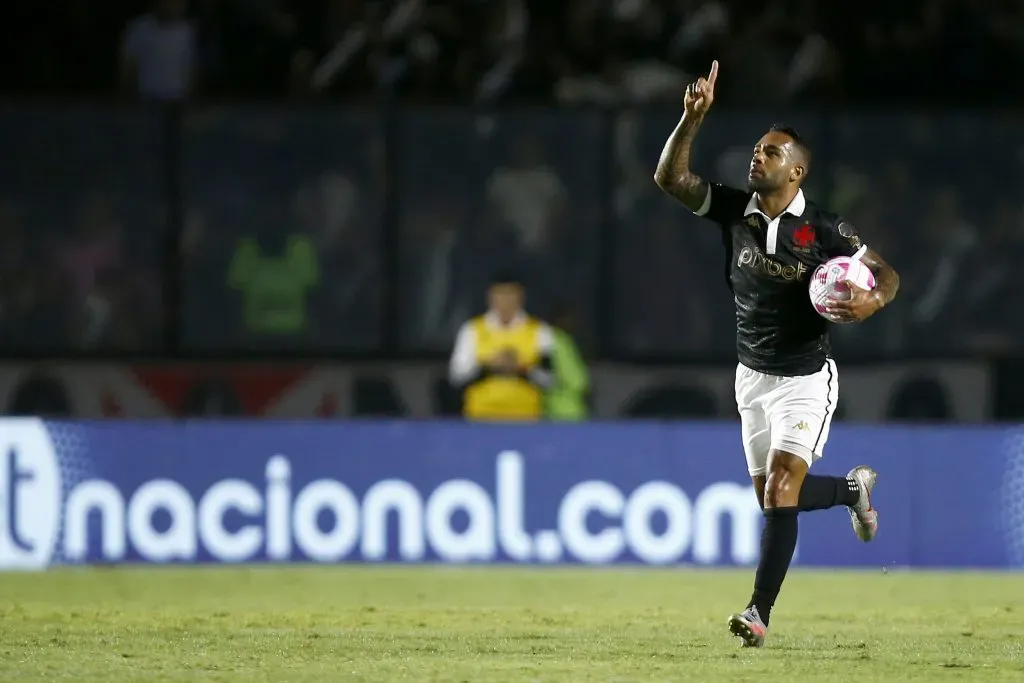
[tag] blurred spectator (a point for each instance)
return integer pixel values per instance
(432, 256)
(502, 359)
(987, 301)
(274, 273)
(523, 194)
(159, 54)
(268, 177)
(525, 50)
(550, 192)
(527, 197)
(109, 302)
(566, 400)
(32, 308)
(96, 247)
(662, 302)
(946, 242)
(338, 215)
(82, 228)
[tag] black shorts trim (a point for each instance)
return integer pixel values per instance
(828, 406)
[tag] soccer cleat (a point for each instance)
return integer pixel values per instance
(862, 515)
(748, 627)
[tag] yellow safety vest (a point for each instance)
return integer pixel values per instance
(505, 398)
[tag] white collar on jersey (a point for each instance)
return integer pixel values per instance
(492, 320)
(796, 207)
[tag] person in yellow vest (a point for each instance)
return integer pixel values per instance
(502, 359)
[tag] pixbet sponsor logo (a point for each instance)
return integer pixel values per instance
(754, 258)
(162, 521)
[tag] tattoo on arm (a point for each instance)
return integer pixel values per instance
(887, 280)
(673, 174)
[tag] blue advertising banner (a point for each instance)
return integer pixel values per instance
(192, 492)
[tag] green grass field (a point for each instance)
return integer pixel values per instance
(446, 624)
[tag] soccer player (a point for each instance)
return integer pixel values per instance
(786, 380)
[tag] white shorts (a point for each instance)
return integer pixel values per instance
(790, 414)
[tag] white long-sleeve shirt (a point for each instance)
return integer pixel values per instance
(464, 366)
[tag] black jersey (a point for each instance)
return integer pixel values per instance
(768, 267)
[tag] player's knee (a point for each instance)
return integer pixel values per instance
(782, 489)
(778, 489)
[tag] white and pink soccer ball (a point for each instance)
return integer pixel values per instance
(833, 280)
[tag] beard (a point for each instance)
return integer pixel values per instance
(762, 184)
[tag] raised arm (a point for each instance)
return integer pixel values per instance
(673, 174)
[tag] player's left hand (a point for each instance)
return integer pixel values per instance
(861, 306)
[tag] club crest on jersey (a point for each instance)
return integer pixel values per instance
(803, 237)
(752, 222)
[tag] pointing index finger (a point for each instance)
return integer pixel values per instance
(713, 74)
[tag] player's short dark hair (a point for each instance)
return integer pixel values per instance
(798, 141)
(506, 277)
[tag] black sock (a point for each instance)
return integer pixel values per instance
(778, 543)
(822, 493)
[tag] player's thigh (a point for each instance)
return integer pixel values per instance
(800, 413)
(757, 442)
(754, 426)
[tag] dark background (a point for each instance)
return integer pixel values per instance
(462, 136)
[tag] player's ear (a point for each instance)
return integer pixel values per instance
(798, 173)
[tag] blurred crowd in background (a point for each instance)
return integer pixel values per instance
(522, 50)
(349, 224)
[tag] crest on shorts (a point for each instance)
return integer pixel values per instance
(803, 236)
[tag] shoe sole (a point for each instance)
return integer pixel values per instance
(739, 627)
(865, 532)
